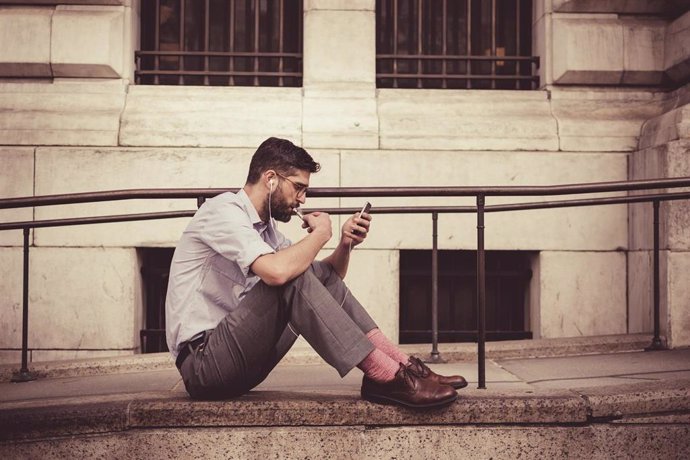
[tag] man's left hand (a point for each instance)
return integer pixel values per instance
(355, 229)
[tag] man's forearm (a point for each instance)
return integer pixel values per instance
(279, 268)
(339, 259)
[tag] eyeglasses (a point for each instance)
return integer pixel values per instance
(301, 189)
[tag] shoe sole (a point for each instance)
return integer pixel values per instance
(387, 400)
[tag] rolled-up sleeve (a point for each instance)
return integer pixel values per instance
(228, 230)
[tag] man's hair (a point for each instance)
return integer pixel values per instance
(282, 156)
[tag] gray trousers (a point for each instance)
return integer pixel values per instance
(250, 341)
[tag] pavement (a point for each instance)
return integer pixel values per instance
(558, 390)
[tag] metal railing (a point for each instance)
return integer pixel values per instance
(481, 208)
(455, 45)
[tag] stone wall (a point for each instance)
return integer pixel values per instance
(78, 124)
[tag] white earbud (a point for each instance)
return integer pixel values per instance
(270, 184)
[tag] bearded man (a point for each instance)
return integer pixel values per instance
(240, 293)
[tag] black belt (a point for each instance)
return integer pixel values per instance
(188, 347)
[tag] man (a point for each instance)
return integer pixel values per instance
(240, 293)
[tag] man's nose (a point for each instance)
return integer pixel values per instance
(302, 199)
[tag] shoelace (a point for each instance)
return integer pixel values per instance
(420, 369)
(408, 375)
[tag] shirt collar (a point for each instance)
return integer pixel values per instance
(251, 211)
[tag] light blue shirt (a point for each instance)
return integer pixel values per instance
(209, 273)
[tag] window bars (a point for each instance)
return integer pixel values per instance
(455, 44)
(220, 43)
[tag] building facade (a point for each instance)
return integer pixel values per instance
(93, 97)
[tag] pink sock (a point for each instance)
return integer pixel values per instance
(379, 367)
(381, 342)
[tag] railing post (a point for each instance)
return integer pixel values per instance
(656, 341)
(435, 356)
(24, 375)
(481, 301)
(199, 201)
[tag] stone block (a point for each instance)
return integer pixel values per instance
(466, 120)
(664, 161)
(210, 117)
(661, 7)
(78, 298)
(84, 298)
(587, 49)
(25, 35)
(677, 50)
(102, 169)
(587, 228)
(338, 47)
(87, 41)
(542, 46)
(582, 293)
(340, 5)
(540, 8)
(11, 276)
(678, 299)
(602, 120)
(641, 295)
(669, 126)
(356, 125)
(73, 113)
(16, 180)
(643, 52)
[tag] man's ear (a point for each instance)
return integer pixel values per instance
(270, 175)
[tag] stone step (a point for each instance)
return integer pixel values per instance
(621, 421)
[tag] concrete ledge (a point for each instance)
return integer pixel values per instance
(261, 408)
(38, 419)
(618, 401)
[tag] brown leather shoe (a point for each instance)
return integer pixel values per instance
(408, 390)
(421, 370)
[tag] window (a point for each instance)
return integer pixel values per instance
(455, 44)
(220, 43)
(508, 275)
(155, 270)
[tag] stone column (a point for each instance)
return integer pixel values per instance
(664, 151)
(339, 106)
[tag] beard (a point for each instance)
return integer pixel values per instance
(281, 210)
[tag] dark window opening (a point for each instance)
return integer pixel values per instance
(508, 274)
(155, 270)
(455, 44)
(220, 43)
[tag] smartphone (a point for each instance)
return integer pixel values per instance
(365, 209)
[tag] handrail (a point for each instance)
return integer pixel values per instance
(353, 192)
(480, 209)
(379, 210)
(340, 211)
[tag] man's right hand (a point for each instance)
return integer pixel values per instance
(278, 268)
(319, 222)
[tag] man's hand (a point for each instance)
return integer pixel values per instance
(278, 268)
(318, 222)
(355, 229)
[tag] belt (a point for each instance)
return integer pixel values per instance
(188, 347)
